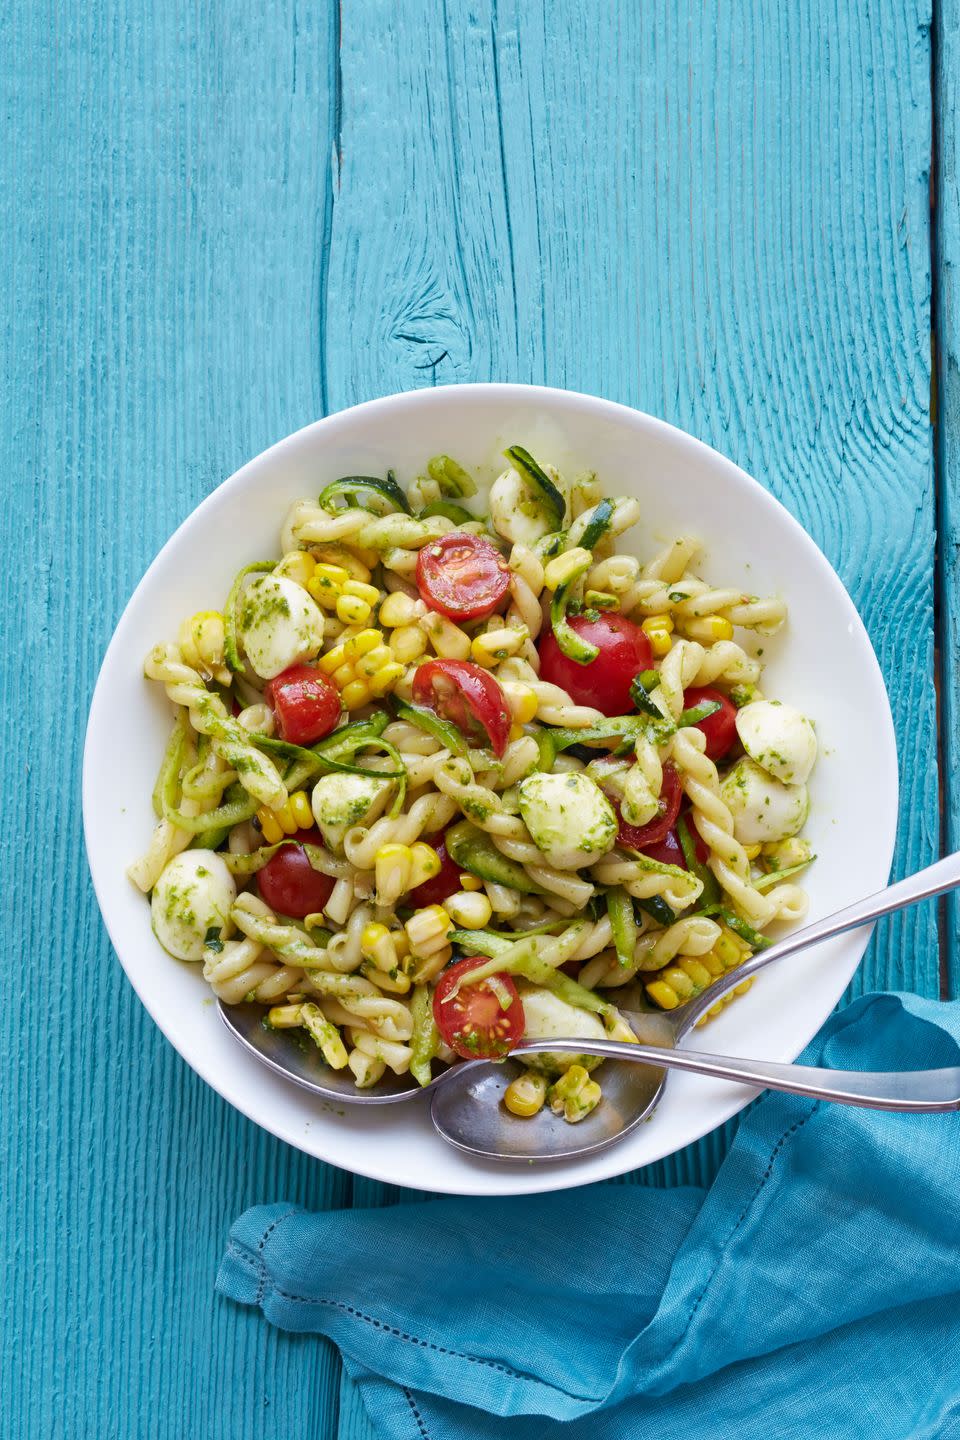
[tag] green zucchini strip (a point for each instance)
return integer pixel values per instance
(474, 851)
(688, 844)
(451, 476)
(523, 461)
(432, 723)
(623, 923)
(231, 652)
(449, 509)
(368, 492)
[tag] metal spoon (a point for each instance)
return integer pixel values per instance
(467, 1112)
(466, 1108)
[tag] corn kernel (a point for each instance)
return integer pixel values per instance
(447, 639)
(355, 694)
(302, 813)
(394, 982)
(657, 622)
(297, 565)
(352, 610)
(385, 678)
(497, 645)
(574, 1095)
(521, 700)
(425, 863)
(398, 609)
(678, 980)
(708, 629)
(697, 972)
(525, 1095)
(408, 643)
(374, 659)
(601, 600)
(564, 567)
(370, 593)
(515, 732)
(663, 995)
(427, 930)
(269, 827)
(470, 882)
(727, 950)
(372, 937)
(751, 851)
(658, 630)
(470, 910)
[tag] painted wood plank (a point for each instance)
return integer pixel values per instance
(166, 186)
(947, 209)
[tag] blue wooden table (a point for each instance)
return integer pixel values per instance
(224, 220)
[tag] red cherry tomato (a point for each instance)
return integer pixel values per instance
(474, 1023)
(288, 882)
(462, 575)
(307, 705)
(669, 851)
(638, 837)
(605, 682)
(720, 728)
(442, 885)
(469, 697)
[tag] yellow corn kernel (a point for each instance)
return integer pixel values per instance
(394, 982)
(713, 963)
(751, 851)
(352, 610)
(269, 827)
(374, 659)
(522, 701)
(424, 864)
(349, 650)
(398, 609)
(470, 882)
(574, 1095)
(743, 987)
(284, 1017)
(564, 567)
(663, 995)
(708, 629)
(658, 630)
(408, 643)
(385, 678)
(344, 559)
(326, 1035)
(515, 732)
(525, 1095)
(391, 868)
(355, 694)
(377, 944)
(326, 584)
(470, 910)
(727, 949)
(297, 565)
(300, 806)
(678, 980)
(427, 930)
(601, 600)
(697, 972)
(496, 645)
(619, 1029)
(370, 593)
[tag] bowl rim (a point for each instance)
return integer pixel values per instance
(509, 392)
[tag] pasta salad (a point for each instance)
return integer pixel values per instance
(452, 771)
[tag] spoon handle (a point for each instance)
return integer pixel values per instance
(936, 879)
(916, 1090)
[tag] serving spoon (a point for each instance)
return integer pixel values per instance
(467, 1112)
(466, 1107)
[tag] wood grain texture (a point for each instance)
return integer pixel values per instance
(221, 221)
(947, 195)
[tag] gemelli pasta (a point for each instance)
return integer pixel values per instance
(451, 770)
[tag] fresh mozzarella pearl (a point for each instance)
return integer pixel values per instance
(193, 895)
(280, 624)
(545, 1016)
(518, 513)
(569, 818)
(339, 801)
(763, 809)
(779, 739)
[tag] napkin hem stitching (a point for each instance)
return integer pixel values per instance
(425, 1434)
(792, 1130)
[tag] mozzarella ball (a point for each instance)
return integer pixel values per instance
(518, 510)
(280, 625)
(547, 1016)
(763, 809)
(193, 895)
(569, 818)
(340, 801)
(779, 739)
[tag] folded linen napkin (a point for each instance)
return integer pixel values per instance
(813, 1290)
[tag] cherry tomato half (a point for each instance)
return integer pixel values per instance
(720, 728)
(441, 886)
(637, 837)
(306, 703)
(288, 882)
(605, 682)
(669, 851)
(462, 575)
(469, 697)
(474, 1023)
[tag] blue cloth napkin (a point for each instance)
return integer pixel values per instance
(813, 1290)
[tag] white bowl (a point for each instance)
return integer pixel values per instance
(822, 661)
